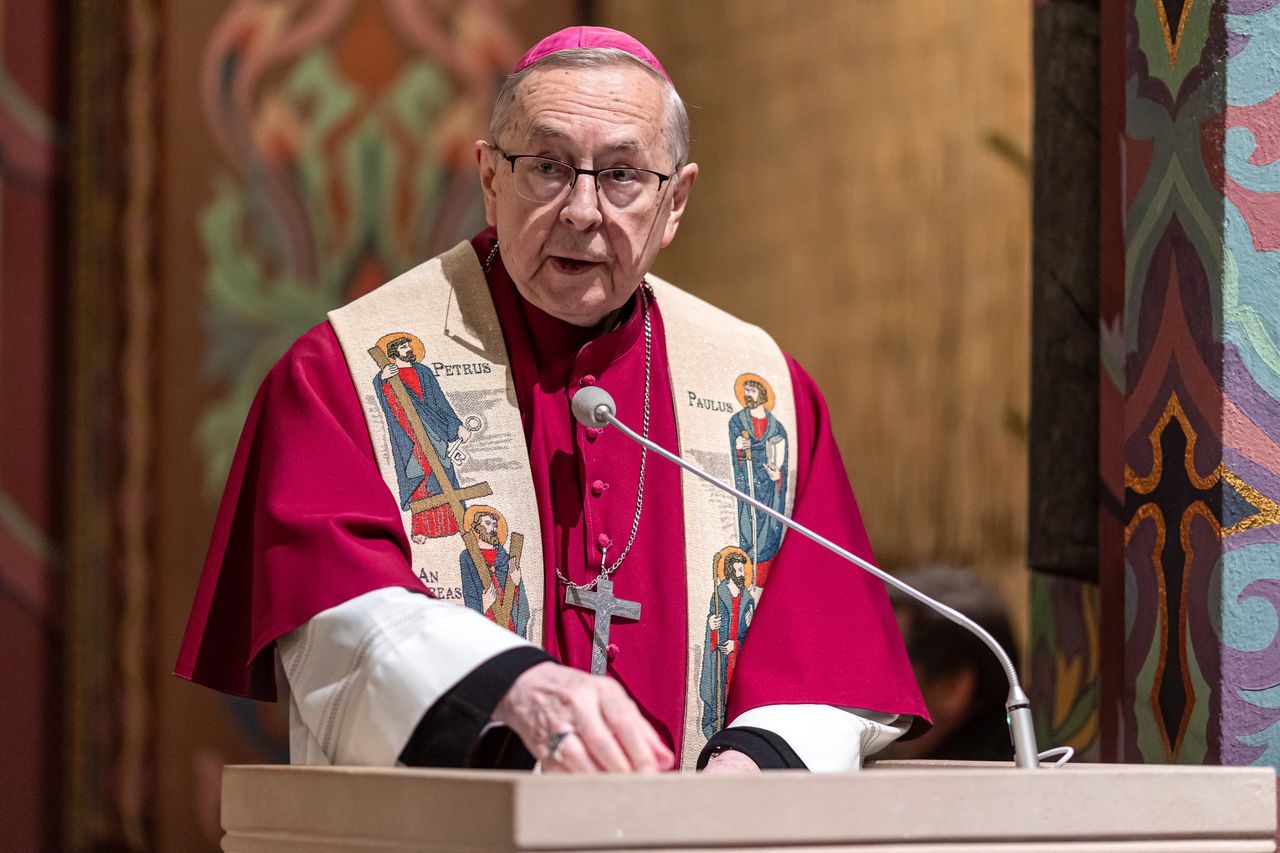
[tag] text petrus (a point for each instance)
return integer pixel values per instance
(442, 369)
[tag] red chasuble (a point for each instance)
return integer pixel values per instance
(307, 523)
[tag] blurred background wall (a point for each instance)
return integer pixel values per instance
(864, 194)
(187, 187)
(32, 190)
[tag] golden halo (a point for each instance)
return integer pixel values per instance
(742, 396)
(470, 517)
(419, 351)
(749, 570)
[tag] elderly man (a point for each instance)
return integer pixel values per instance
(317, 553)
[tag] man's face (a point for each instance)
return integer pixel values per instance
(486, 528)
(579, 259)
(404, 352)
(751, 394)
(738, 573)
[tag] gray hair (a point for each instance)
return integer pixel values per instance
(676, 130)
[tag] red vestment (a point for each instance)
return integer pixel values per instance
(295, 536)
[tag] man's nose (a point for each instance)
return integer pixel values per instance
(582, 207)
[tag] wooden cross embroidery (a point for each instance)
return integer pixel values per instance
(448, 496)
(504, 603)
(606, 605)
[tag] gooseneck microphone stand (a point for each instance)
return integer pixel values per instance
(594, 407)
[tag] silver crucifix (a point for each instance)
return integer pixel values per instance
(606, 606)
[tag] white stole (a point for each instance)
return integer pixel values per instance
(460, 375)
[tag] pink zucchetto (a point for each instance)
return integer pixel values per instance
(571, 38)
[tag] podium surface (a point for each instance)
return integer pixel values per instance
(894, 807)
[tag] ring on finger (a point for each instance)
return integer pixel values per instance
(555, 742)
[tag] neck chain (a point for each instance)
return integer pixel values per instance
(605, 569)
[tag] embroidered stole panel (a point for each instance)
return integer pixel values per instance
(434, 379)
(735, 414)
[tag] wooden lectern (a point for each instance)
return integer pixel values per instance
(892, 807)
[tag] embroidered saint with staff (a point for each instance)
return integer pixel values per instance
(733, 605)
(758, 444)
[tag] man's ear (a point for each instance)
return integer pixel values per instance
(679, 198)
(488, 171)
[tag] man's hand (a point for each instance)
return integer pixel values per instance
(731, 761)
(389, 371)
(727, 646)
(774, 472)
(463, 433)
(608, 731)
(488, 597)
(713, 621)
(514, 576)
(742, 443)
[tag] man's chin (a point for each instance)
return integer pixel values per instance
(580, 302)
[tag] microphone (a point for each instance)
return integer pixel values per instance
(594, 407)
(590, 404)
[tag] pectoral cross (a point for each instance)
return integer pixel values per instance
(606, 605)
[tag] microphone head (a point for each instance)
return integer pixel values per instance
(587, 400)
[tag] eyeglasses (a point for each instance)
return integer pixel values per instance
(547, 181)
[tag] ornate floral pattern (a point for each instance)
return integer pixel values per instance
(1201, 327)
(347, 131)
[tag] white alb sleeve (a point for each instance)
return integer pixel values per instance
(362, 674)
(827, 738)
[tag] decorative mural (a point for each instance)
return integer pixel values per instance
(347, 129)
(1250, 565)
(1201, 382)
(1064, 663)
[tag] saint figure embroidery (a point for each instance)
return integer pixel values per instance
(493, 585)
(732, 606)
(758, 448)
(425, 432)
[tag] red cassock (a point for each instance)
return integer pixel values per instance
(307, 523)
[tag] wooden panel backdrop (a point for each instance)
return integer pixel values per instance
(865, 194)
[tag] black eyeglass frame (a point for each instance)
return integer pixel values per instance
(594, 173)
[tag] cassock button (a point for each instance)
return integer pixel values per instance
(603, 541)
(587, 379)
(611, 651)
(593, 433)
(598, 487)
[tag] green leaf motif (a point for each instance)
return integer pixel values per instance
(364, 187)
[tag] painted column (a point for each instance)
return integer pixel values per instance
(1196, 350)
